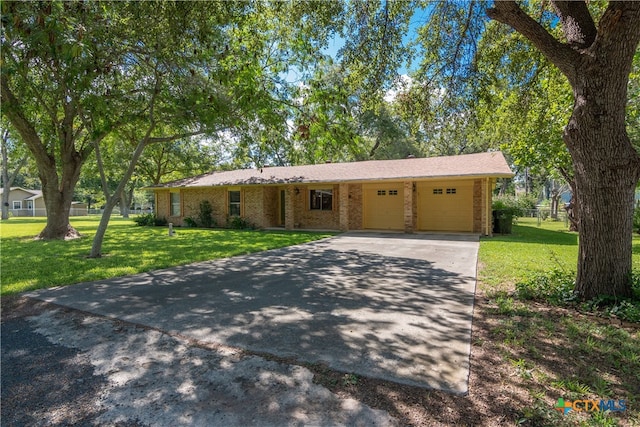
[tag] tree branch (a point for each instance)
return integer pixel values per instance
(103, 177)
(560, 54)
(150, 140)
(577, 23)
(11, 109)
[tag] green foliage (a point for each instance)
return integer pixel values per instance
(540, 414)
(528, 202)
(240, 223)
(623, 308)
(160, 222)
(507, 205)
(149, 220)
(205, 214)
(190, 222)
(554, 286)
(145, 219)
(350, 380)
(636, 217)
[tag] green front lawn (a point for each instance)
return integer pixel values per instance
(28, 264)
(507, 259)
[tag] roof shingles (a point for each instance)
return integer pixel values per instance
(491, 164)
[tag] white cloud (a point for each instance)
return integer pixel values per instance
(404, 82)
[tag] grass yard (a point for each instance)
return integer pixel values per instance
(541, 351)
(28, 264)
(506, 259)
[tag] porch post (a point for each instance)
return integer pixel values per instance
(343, 208)
(408, 207)
(289, 208)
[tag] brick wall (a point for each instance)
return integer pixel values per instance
(271, 206)
(192, 197)
(162, 203)
(355, 206)
(315, 219)
(478, 204)
(261, 206)
(409, 206)
(253, 198)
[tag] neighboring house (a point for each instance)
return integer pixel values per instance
(31, 203)
(415, 194)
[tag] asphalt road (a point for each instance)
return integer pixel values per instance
(44, 383)
(62, 367)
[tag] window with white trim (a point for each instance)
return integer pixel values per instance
(17, 204)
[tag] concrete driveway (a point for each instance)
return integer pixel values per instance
(391, 306)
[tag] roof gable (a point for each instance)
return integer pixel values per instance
(25, 194)
(491, 164)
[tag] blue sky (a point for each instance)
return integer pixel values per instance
(417, 20)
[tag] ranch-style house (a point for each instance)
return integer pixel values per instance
(440, 194)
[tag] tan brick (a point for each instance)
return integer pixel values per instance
(477, 206)
(409, 195)
(355, 206)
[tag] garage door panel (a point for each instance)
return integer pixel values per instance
(445, 206)
(383, 207)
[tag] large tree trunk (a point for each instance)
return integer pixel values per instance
(56, 191)
(555, 201)
(57, 199)
(125, 201)
(607, 169)
(596, 59)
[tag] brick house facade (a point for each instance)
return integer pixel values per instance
(432, 194)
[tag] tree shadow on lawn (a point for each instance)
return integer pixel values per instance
(43, 263)
(395, 318)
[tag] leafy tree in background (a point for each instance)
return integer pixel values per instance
(524, 115)
(75, 72)
(178, 159)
